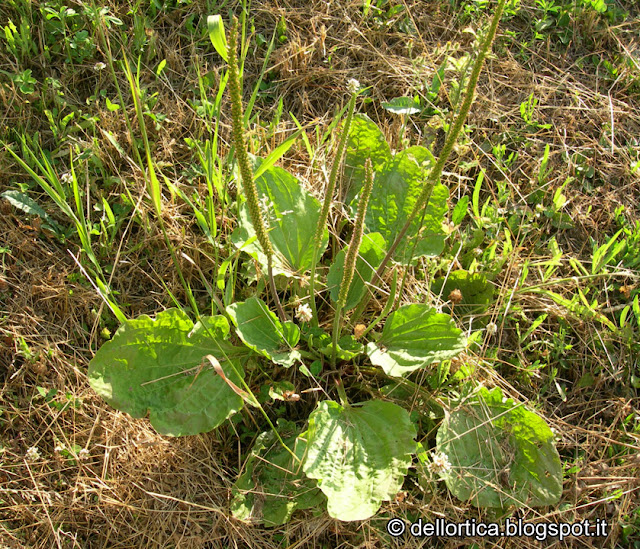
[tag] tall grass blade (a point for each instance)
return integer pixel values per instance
(217, 35)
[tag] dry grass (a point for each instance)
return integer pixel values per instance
(131, 487)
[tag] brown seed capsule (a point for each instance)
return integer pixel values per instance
(455, 296)
(291, 396)
(626, 290)
(359, 330)
(39, 368)
(400, 497)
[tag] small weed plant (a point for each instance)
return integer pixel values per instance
(309, 320)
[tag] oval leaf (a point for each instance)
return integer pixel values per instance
(403, 105)
(291, 214)
(29, 206)
(395, 192)
(365, 141)
(348, 347)
(476, 292)
(415, 336)
(273, 485)
(370, 255)
(261, 330)
(359, 455)
(500, 454)
(157, 366)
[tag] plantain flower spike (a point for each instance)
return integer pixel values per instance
(246, 175)
(356, 237)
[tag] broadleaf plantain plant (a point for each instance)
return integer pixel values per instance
(189, 378)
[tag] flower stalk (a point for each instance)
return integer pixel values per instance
(328, 197)
(435, 174)
(246, 174)
(352, 254)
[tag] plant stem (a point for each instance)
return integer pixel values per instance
(246, 174)
(326, 205)
(385, 311)
(352, 254)
(435, 174)
(342, 393)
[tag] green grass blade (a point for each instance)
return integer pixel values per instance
(215, 25)
(276, 154)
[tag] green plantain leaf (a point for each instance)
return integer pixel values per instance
(372, 251)
(320, 340)
(403, 105)
(261, 330)
(398, 182)
(157, 367)
(476, 290)
(273, 485)
(365, 141)
(500, 454)
(359, 455)
(395, 191)
(415, 336)
(282, 390)
(291, 214)
(29, 206)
